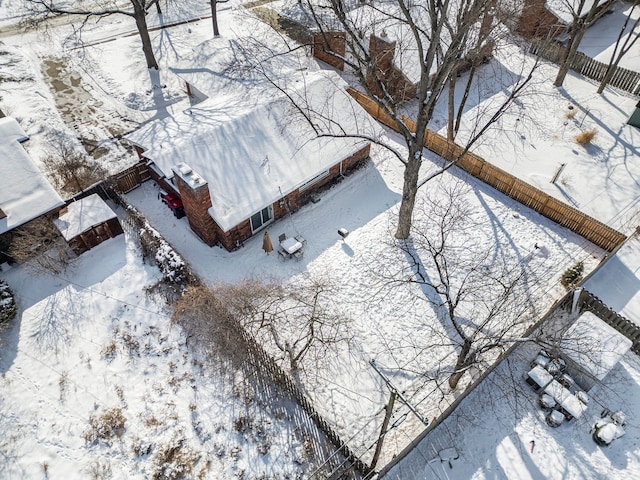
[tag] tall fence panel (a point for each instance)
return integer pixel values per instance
(131, 178)
(622, 78)
(588, 227)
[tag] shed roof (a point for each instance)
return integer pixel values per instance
(83, 214)
(617, 281)
(594, 345)
(25, 193)
(254, 149)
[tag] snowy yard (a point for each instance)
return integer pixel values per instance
(91, 348)
(493, 430)
(91, 340)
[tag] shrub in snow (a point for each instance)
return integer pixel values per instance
(8, 307)
(141, 447)
(174, 461)
(584, 138)
(572, 276)
(106, 426)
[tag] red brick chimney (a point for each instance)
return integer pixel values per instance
(326, 43)
(194, 192)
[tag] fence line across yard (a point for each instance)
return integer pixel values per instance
(589, 302)
(622, 78)
(263, 361)
(588, 227)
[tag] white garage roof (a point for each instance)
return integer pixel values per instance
(25, 193)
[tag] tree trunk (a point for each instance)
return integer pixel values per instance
(611, 69)
(143, 30)
(465, 97)
(214, 18)
(566, 61)
(464, 360)
(451, 106)
(409, 191)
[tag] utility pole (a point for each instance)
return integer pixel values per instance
(383, 430)
(395, 395)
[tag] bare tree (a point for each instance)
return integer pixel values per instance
(621, 48)
(40, 245)
(41, 10)
(583, 14)
(299, 321)
(431, 40)
(71, 170)
(214, 15)
(479, 292)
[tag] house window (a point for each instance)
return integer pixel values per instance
(260, 219)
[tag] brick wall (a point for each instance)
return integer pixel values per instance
(394, 80)
(538, 22)
(325, 43)
(196, 201)
(290, 202)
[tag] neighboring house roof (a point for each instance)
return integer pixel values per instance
(381, 20)
(25, 193)
(83, 214)
(255, 148)
(565, 9)
(617, 281)
(593, 345)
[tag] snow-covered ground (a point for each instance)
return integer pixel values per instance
(492, 430)
(599, 41)
(494, 427)
(601, 180)
(90, 343)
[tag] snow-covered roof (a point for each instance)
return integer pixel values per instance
(382, 21)
(83, 214)
(565, 9)
(617, 281)
(252, 153)
(25, 193)
(593, 345)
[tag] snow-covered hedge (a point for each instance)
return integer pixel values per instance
(175, 271)
(8, 307)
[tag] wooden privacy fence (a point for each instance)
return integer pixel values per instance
(624, 79)
(131, 178)
(593, 230)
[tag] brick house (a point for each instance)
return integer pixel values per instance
(239, 164)
(551, 18)
(392, 48)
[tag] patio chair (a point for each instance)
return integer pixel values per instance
(299, 254)
(282, 237)
(282, 255)
(300, 239)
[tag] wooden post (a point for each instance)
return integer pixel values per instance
(383, 430)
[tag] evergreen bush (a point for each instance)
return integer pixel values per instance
(8, 307)
(572, 276)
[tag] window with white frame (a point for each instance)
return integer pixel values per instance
(261, 218)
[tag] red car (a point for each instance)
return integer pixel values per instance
(174, 203)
